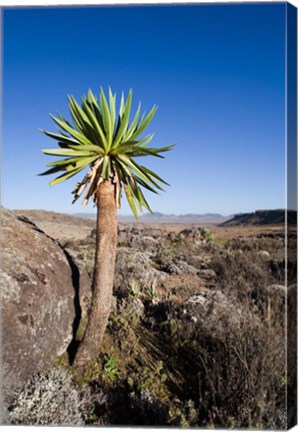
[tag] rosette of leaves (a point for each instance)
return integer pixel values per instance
(108, 144)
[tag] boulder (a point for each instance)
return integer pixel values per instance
(136, 238)
(134, 267)
(40, 301)
(181, 267)
(207, 274)
(265, 255)
(213, 312)
(276, 289)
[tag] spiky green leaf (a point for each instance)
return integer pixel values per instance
(122, 105)
(65, 161)
(64, 177)
(154, 175)
(144, 184)
(96, 122)
(130, 200)
(52, 170)
(143, 200)
(144, 123)
(139, 170)
(124, 121)
(112, 102)
(76, 134)
(133, 125)
(62, 138)
(106, 117)
(67, 152)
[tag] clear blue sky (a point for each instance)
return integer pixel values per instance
(216, 72)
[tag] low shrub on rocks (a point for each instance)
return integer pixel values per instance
(52, 399)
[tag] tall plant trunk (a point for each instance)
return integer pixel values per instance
(103, 276)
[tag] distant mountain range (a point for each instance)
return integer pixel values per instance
(257, 218)
(158, 217)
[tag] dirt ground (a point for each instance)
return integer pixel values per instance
(66, 227)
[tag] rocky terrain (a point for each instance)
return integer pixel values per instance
(195, 338)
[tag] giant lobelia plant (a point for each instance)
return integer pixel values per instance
(108, 144)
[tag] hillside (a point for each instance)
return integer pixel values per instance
(40, 216)
(57, 225)
(262, 217)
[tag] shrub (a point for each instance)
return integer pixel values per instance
(206, 234)
(51, 399)
(110, 370)
(234, 372)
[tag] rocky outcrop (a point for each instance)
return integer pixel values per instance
(134, 266)
(40, 294)
(180, 267)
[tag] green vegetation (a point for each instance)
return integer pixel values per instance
(205, 232)
(110, 370)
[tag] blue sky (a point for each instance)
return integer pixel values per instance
(217, 73)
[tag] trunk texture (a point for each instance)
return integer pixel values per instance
(103, 276)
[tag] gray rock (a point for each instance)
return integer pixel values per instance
(265, 255)
(40, 284)
(198, 299)
(207, 274)
(135, 238)
(212, 310)
(198, 262)
(276, 289)
(138, 306)
(134, 266)
(174, 269)
(181, 267)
